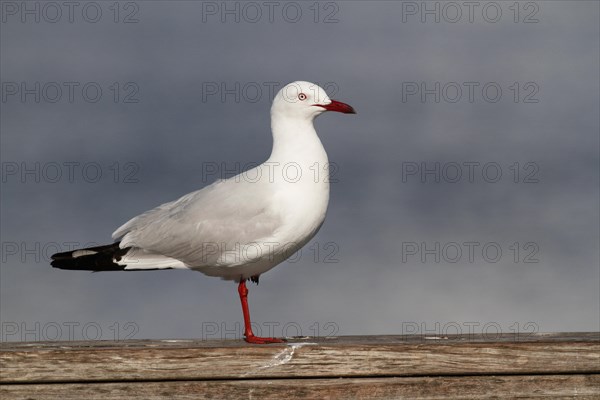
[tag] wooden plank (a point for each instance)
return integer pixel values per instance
(103, 361)
(470, 387)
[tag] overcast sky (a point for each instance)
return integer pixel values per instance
(466, 193)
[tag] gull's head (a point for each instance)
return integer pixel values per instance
(305, 100)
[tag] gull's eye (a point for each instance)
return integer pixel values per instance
(302, 96)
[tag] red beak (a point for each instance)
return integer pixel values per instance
(338, 106)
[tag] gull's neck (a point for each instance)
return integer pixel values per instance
(301, 185)
(295, 140)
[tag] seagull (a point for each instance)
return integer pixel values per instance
(236, 228)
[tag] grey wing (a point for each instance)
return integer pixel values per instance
(200, 226)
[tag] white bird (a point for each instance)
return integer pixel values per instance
(240, 227)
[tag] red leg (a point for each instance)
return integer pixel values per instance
(248, 335)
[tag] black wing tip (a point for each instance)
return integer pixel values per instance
(102, 260)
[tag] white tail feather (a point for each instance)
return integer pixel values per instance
(138, 259)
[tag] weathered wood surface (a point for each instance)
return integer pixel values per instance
(105, 361)
(562, 365)
(469, 387)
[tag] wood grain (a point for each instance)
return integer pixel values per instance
(340, 357)
(474, 387)
(559, 365)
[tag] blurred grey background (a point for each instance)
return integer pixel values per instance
(408, 246)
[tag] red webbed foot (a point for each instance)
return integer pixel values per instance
(263, 340)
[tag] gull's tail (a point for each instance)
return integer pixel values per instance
(113, 258)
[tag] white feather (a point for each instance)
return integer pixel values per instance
(138, 259)
(83, 252)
